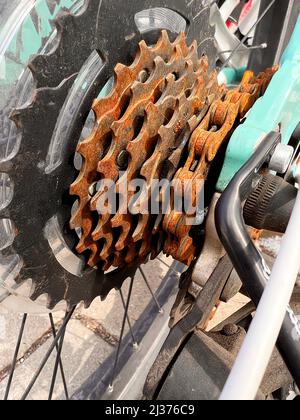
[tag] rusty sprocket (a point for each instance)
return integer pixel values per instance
(165, 102)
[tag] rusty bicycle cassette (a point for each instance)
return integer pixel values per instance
(145, 119)
(68, 79)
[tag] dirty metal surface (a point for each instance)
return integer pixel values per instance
(202, 368)
(197, 317)
(161, 105)
(206, 141)
(141, 123)
(67, 80)
(41, 218)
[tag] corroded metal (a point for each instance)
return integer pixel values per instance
(205, 143)
(162, 105)
(142, 121)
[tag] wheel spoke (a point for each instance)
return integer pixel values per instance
(247, 34)
(167, 265)
(163, 262)
(135, 344)
(262, 46)
(151, 291)
(121, 336)
(15, 358)
(58, 362)
(48, 354)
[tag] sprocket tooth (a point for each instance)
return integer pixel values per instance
(83, 245)
(77, 218)
(79, 186)
(86, 226)
(106, 239)
(123, 79)
(170, 245)
(53, 299)
(164, 109)
(125, 225)
(186, 251)
(181, 42)
(142, 50)
(94, 204)
(145, 248)
(83, 147)
(94, 255)
(20, 115)
(44, 67)
(107, 248)
(16, 117)
(106, 266)
(159, 240)
(119, 259)
(106, 168)
(143, 223)
(193, 54)
(103, 228)
(52, 303)
(131, 255)
(164, 42)
(35, 293)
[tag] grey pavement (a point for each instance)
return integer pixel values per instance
(91, 336)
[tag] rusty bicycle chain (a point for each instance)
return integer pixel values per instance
(163, 102)
(204, 145)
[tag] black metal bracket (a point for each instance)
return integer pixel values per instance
(245, 257)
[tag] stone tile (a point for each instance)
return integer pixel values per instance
(110, 312)
(83, 352)
(36, 326)
(225, 310)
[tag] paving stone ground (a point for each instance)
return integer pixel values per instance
(91, 337)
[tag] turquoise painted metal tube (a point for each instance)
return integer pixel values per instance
(231, 76)
(278, 109)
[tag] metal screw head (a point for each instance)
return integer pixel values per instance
(281, 159)
(122, 159)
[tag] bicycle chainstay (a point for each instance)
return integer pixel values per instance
(163, 107)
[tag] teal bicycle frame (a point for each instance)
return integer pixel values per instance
(277, 110)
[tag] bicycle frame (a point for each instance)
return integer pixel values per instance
(278, 110)
(279, 107)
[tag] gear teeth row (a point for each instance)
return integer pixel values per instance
(167, 67)
(165, 102)
(109, 110)
(54, 74)
(205, 143)
(206, 89)
(44, 66)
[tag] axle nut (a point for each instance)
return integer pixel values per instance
(281, 159)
